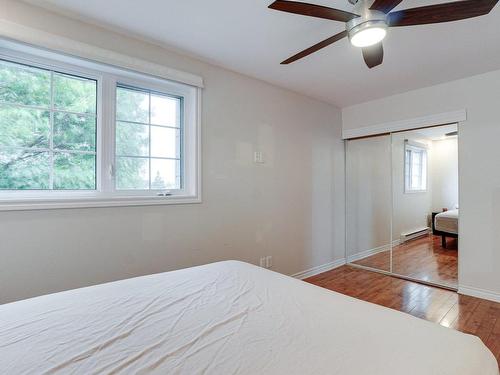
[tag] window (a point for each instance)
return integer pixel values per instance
(78, 131)
(148, 140)
(47, 129)
(415, 168)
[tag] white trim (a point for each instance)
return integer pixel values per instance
(479, 293)
(61, 44)
(413, 148)
(44, 204)
(370, 252)
(105, 194)
(197, 176)
(408, 124)
(319, 269)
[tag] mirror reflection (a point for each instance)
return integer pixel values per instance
(402, 204)
(368, 192)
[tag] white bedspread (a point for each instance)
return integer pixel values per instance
(226, 318)
(447, 221)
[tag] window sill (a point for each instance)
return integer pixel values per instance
(93, 202)
(415, 191)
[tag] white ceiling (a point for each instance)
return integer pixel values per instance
(246, 37)
(435, 133)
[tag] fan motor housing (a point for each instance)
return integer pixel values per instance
(368, 18)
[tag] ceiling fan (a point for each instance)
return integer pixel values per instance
(367, 25)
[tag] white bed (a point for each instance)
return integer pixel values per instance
(226, 318)
(447, 222)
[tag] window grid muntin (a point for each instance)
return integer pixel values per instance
(146, 124)
(107, 77)
(51, 134)
(153, 92)
(47, 149)
(180, 128)
(149, 140)
(52, 109)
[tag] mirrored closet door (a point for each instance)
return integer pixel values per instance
(402, 204)
(369, 202)
(425, 204)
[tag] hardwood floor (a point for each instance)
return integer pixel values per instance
(424, 259)
(467, 314)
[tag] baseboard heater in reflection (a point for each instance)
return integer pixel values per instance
(405, 237)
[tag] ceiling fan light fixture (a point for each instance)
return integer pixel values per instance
(368, 33)
(366, 26)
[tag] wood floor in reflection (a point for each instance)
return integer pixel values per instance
(467, 314)
(423, 259)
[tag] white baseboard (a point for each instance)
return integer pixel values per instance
(414, 234)
(370, 252)
(319, 269)
(479, 293)
(367, 253)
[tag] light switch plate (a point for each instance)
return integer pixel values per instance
(258, 157)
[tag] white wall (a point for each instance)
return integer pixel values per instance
(479, 163)
(375, 192)
(292, 207)
(410, 210)
(369, 209)
(444, 174)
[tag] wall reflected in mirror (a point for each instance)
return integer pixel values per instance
(402, 204)
(425, 195)
(368, 194)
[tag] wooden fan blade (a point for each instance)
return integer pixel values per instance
(453, 11)
(385, 5)
(316, 47)
(373, 55)
(312, 10)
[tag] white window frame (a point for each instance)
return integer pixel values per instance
(408, 170)
(107, 78)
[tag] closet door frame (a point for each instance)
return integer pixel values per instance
(455, 117)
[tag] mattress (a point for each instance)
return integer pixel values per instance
(447, 221)
(226, 318)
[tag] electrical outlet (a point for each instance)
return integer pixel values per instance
(269, 261)
(266, 262)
